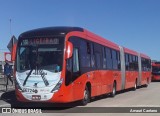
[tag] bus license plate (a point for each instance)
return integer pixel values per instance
(36, 97)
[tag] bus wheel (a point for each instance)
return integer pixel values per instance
(86, 97)
(135, 85)
(113, 93)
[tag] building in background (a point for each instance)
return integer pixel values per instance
(5, 56)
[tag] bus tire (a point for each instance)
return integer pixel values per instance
(113, 93)
(86, 97)
(135, 85)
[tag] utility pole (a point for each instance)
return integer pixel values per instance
(10, 21)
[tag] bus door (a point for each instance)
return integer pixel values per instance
(74, 74)
(77, 81)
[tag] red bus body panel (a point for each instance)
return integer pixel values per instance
(101, 81)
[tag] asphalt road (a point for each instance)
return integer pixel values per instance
(141, 98)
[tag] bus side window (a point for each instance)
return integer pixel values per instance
(114, 60)
(92, 56)
(76, 68)
(109, 58)
(104, 58)
(98, 56)
(98, 60)
(127, 61)
(119, 61)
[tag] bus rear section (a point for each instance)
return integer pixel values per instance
(155, 71)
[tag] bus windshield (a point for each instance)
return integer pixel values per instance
(40, 57)
(155, 69)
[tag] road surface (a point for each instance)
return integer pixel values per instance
(136, 100)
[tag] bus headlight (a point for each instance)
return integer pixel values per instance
(17, 85)
(57, 87)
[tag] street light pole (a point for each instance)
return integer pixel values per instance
(10, 20)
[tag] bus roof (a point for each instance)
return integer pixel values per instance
(156, 64)
(101, 40)
(144, 56)
(126, 50)
(49, 31)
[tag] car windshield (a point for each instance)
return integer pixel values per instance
(40, 56)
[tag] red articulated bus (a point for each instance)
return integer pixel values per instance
(155, 71)
(66, 64)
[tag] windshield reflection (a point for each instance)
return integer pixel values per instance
(46, 57)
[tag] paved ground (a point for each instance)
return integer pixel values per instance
(5, 89)
(3, 82)
(149, 96)
(142, 97)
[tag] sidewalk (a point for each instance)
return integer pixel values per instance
(3, 91)
(3, 84)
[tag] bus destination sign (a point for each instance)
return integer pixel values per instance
(38, 41)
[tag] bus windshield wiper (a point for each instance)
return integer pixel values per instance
(24, 83)
(43, 77)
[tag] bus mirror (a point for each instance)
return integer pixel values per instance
(69, 49)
